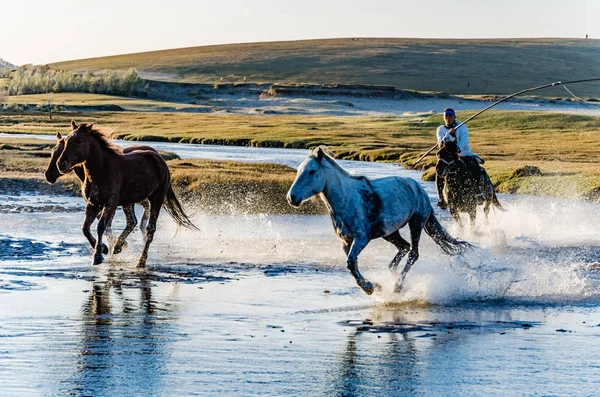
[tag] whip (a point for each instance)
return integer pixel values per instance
(504, 99)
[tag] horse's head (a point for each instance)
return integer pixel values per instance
(52, 173)
(76, 147)
(310, 179)
(447, 158)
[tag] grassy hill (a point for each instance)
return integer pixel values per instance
(500, 66)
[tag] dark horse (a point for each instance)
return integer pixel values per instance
(462, 189)
(52, 174)
(114, 178)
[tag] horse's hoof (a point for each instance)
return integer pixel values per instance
(98, 259)
(104, 249)
(398, 288)
(119, 247)
(141, 264)
(369, 287)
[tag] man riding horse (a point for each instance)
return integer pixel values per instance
(449, 132)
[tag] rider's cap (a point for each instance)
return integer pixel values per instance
(448, 111)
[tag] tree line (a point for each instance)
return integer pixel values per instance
(43, 79)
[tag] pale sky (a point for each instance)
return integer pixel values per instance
(45, 31)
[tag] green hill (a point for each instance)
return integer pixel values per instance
(491, 66)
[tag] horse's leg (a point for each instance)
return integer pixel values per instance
(486, 208)
(91, 212)
(352, 262)
(144, 222)
(472, 216)
(416, 226)
(400, 243)
(131, 222)
(489, 196)
(155, 205)
(456, 217)
(107, 214)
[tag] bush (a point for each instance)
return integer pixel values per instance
(528, 170)
(41, 80)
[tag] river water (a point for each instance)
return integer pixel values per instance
(263, 304)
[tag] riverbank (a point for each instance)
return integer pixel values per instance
(563, 147)
(215, 187)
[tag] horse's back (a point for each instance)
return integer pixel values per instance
(144, 172)
(401, 198)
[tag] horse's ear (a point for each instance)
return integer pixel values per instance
(73, 124)
(58, 136)
(319, 152)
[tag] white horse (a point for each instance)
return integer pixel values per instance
(362, 210)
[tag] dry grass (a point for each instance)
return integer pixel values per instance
(566, 147)
(215, 186)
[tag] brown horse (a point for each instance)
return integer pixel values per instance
(113, 178)
(52, 174)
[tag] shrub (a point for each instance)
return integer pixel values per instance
(40, 80)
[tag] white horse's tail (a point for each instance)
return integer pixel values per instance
(448, 244)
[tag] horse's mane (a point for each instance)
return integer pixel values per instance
(328, 155)
(104, 139)
(450, 146)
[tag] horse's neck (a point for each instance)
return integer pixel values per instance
(337, 194)
(80, 172)
(94, 166)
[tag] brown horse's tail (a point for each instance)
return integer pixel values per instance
(448, 244)
(174, 208)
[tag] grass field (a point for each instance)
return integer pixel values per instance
(565, 147)
(500, 66)
(82, 100)
(213, 186)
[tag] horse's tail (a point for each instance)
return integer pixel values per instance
(175, 210)
(495, 201)
(491, 193)
(448, 244)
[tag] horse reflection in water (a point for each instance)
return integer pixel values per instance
(126, 333)
(362, 210)
(113, 178)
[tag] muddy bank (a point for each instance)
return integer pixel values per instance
(190, 91)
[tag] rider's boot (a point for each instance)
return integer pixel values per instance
(439, 185)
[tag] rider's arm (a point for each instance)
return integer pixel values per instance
(462, 139)
(442, 134)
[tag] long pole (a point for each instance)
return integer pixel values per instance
(504, 99)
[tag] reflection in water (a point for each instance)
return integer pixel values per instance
(124, 337)
(404, 352)
(367, 368)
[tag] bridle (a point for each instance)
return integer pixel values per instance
(447, 167)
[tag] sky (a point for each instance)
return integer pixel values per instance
(43, 31)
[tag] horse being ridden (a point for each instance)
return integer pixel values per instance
(362, 210)
(462, 189)
(52, 174)
(113, 178)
